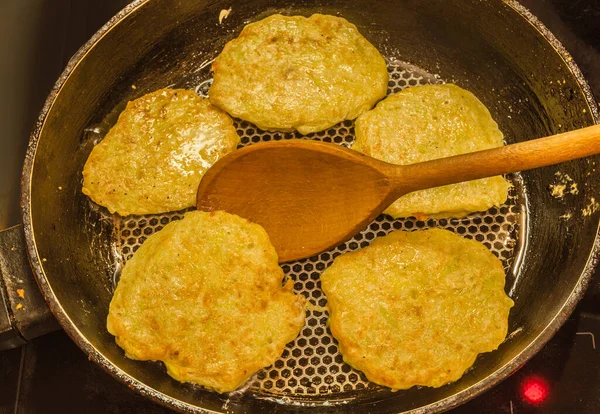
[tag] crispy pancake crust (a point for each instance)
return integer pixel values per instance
(152, 160)
(296, 73)
(415, 308)
(423, 123)
(204, 295)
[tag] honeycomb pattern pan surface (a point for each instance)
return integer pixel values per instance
(311, 369)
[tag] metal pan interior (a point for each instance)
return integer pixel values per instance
(545, 243)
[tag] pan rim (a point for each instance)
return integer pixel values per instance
(172, 402)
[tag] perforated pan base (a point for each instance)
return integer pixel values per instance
(311, 365)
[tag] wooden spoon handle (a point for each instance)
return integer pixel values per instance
(511, 158)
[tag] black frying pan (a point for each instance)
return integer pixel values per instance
(495, 49)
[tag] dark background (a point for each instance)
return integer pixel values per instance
(51, 374)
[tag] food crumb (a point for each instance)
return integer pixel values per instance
(44, 260)
(513, 333)
(567, 216)
(224, 14)
(133, 87)
(557, 190)
(21, 293)
(591, 208)
(19, 306)
(59, 187)
(564, 186)
(573, 189)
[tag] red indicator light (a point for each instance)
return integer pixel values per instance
(535, 390)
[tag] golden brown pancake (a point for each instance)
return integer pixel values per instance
(152, 160)
(416, 308)
(296, 73)
(205, 296)
(423, 123)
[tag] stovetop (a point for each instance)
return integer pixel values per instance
(50, 374)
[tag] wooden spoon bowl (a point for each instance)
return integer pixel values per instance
(310, 196)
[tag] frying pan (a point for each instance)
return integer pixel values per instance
(496, 49)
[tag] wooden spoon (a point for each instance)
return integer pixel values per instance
(310, 196)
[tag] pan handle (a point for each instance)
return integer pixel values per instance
(24, 314)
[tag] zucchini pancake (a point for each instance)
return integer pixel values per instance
(427, 122)
(416, 308)
(152, 160)
(296, 73)
(205, 296)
